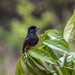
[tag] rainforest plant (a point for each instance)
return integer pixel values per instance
(51, 56)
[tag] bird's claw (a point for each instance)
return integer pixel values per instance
(25, 52)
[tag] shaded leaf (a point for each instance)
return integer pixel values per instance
(53, 54)
(30, 69)
(40, 41)
(19, 70)
(69, 64)
(43, 64)
(45, 37)
(41, 70)
(62, 61)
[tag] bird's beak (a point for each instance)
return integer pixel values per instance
(37, 28)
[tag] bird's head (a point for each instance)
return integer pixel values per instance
(32, 29)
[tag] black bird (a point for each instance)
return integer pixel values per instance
(31, 39)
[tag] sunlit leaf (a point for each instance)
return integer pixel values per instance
(41, 54)
(55, 35)
(69, 31)
(57, 45)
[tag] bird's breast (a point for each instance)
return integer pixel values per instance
(33, 40)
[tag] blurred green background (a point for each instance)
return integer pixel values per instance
(15, 18)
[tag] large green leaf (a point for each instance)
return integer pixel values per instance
(55, 35)
(41, 54)
(57, 45)
(69, 31)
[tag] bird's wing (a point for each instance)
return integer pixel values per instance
(25, 42)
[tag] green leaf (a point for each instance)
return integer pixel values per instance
(41, 54)
(62, 59)
(53, 54)
(55, 69)
(38, 61)
(57, 45)
(40, 41)
(30, 69)
(63, 41)
(74, 18)
(55, 35)
(43, 64)
(69, 31)
(50, 31)
(34, 65)
(19, 70)
(45, 37)
(70, 64)
(41, 70)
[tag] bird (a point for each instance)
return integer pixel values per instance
(31, 38)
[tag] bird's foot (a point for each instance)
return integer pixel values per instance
(25, 52)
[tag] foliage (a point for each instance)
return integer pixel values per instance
(51, 56)
(69, 31)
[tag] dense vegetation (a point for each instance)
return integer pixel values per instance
(52, 55)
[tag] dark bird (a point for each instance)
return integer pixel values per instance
(31, 39)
